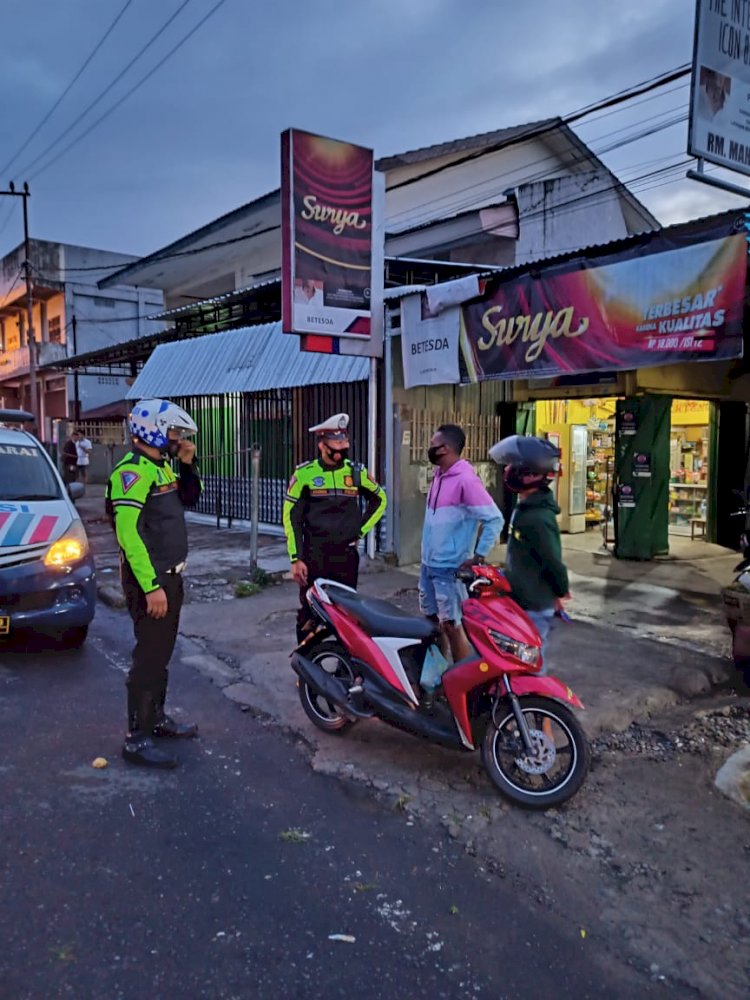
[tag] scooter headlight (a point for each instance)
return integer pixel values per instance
(512, 647)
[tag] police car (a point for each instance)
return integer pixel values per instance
(47, 577)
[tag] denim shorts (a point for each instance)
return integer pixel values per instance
(441, 594)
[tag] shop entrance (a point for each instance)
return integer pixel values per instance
(636, 473)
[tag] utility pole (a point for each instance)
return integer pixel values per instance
(76, 398)
(31, 342)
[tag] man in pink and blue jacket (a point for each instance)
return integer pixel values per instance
(458, 506)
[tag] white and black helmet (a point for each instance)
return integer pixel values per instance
(151, 420)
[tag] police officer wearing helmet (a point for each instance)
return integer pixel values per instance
(323, 517)
(146, 502)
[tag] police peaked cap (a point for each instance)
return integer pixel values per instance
(333, 426)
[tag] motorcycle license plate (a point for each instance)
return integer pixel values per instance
(4, 625)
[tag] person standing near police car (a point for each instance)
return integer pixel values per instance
(323, 518)
(146, 502)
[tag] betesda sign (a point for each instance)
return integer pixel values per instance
(660, 308)
(327, 236)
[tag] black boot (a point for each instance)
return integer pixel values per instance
(139, 747)
(165, 727)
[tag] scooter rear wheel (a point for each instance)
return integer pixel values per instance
(557, 768)
(322, 713)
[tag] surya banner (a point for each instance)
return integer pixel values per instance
(327, 231)
(659, 309)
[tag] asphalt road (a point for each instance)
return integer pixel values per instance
(123, 883)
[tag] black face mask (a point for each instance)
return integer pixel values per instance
(173, 448)
(432, 454)
(517, 480)
(336, 455)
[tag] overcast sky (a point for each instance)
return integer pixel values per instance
(201, 136)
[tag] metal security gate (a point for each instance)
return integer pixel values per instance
(229, 425)
(316, 402)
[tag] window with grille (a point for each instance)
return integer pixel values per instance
(55, 330)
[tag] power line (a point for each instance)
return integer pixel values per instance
(269, 229)
(507, 180)
(551, 158)
(619, 98)
(635, 104)
(600, 195)
(107, 89)
(561, 209)
(67, 90)
(622, 96)
(625, 95)
(179, 253)
(8, 216)
(133, 89)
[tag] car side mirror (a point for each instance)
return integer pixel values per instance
(75, 491)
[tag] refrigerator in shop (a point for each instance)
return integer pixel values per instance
(570, 487)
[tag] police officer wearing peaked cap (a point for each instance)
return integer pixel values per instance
(323, 517)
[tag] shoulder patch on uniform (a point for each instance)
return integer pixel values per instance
(128, 478)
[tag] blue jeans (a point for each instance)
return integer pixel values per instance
(544, 621)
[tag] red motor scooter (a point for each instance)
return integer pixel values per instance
(365, 660)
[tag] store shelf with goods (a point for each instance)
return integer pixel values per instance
(687, 501)
(599, 474)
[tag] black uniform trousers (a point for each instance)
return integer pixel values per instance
(336, 562)
(154, 637)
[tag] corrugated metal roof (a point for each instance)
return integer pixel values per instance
(226, 297)
(251, 359)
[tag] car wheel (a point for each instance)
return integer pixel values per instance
(74, 638)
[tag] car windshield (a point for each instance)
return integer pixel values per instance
(25, 474)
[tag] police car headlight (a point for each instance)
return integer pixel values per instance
(69, 549)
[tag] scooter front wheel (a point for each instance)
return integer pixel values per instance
(555, 768)
(333, 658)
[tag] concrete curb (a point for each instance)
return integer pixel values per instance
(111, 595)
(733, 778)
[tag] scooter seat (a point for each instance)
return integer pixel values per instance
(380, 618)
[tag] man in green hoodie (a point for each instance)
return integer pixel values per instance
(534, 565)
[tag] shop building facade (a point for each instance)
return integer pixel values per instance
(645, 387)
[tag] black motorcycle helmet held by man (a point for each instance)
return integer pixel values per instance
(530, 462)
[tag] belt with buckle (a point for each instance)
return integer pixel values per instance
(176, 570)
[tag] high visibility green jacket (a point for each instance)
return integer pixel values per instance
(322, 506)
(146, 502)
